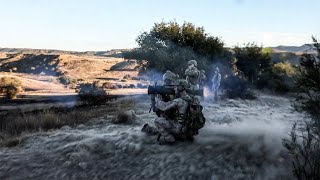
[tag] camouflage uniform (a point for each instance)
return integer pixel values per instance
(193, 75)
(167, 127)
(216, 83)
(171, 128)
(168, 79)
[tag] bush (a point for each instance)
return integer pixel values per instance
(304, 142)
(280, 86)
(169, 46)
(284, 69)
(304, 148)
(279, 79)
(64, 79)
(237, 87)
(307, 82)
(252, 60)
(10, 86)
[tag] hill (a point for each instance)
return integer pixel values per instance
(306, 48)
(109, 53)
(60, 72)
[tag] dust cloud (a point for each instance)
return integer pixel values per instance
(241, 140)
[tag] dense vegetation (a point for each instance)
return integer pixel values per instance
(169, 46)
(252, 61)
(304, 144)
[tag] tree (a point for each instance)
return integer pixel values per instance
(168, 46)
(187, 35)
(308, 82)
(251, 60)
(304, 142)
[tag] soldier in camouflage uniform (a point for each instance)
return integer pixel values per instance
(168, 79)
(193, 75)
(216, 83)
(170, 129)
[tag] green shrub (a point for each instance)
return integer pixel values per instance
(304, 148)
(280, 79)
(169, 46)
(237, 87)
(304, 142)
(64, 79)
(284, 69)
(10, 86)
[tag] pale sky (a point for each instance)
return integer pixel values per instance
(83, 25)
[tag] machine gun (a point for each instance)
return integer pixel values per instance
(166, 91)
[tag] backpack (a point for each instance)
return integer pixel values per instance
(195, 119)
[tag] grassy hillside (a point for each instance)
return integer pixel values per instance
(50, 71)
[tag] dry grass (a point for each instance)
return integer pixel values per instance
(33, 83)
(70, 67)
(93, 68)
(17, 122)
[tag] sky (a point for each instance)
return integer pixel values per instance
(85, 25)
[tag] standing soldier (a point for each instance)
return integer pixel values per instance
(216, 83)
(193, 75)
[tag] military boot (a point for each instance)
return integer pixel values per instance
(149, 129)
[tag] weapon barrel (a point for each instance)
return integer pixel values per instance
(160, 90)
(198, 92)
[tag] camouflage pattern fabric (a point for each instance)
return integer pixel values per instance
(193, 76)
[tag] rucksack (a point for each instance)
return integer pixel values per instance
(195, 119)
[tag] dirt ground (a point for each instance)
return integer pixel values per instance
(241, 140)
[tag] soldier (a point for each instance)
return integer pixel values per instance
(216, 83)
(171, 128)
(168, 80)
(193, 75)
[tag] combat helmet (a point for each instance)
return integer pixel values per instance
(194, 62)
(169, 76)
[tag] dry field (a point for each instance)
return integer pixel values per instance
(39, 73)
